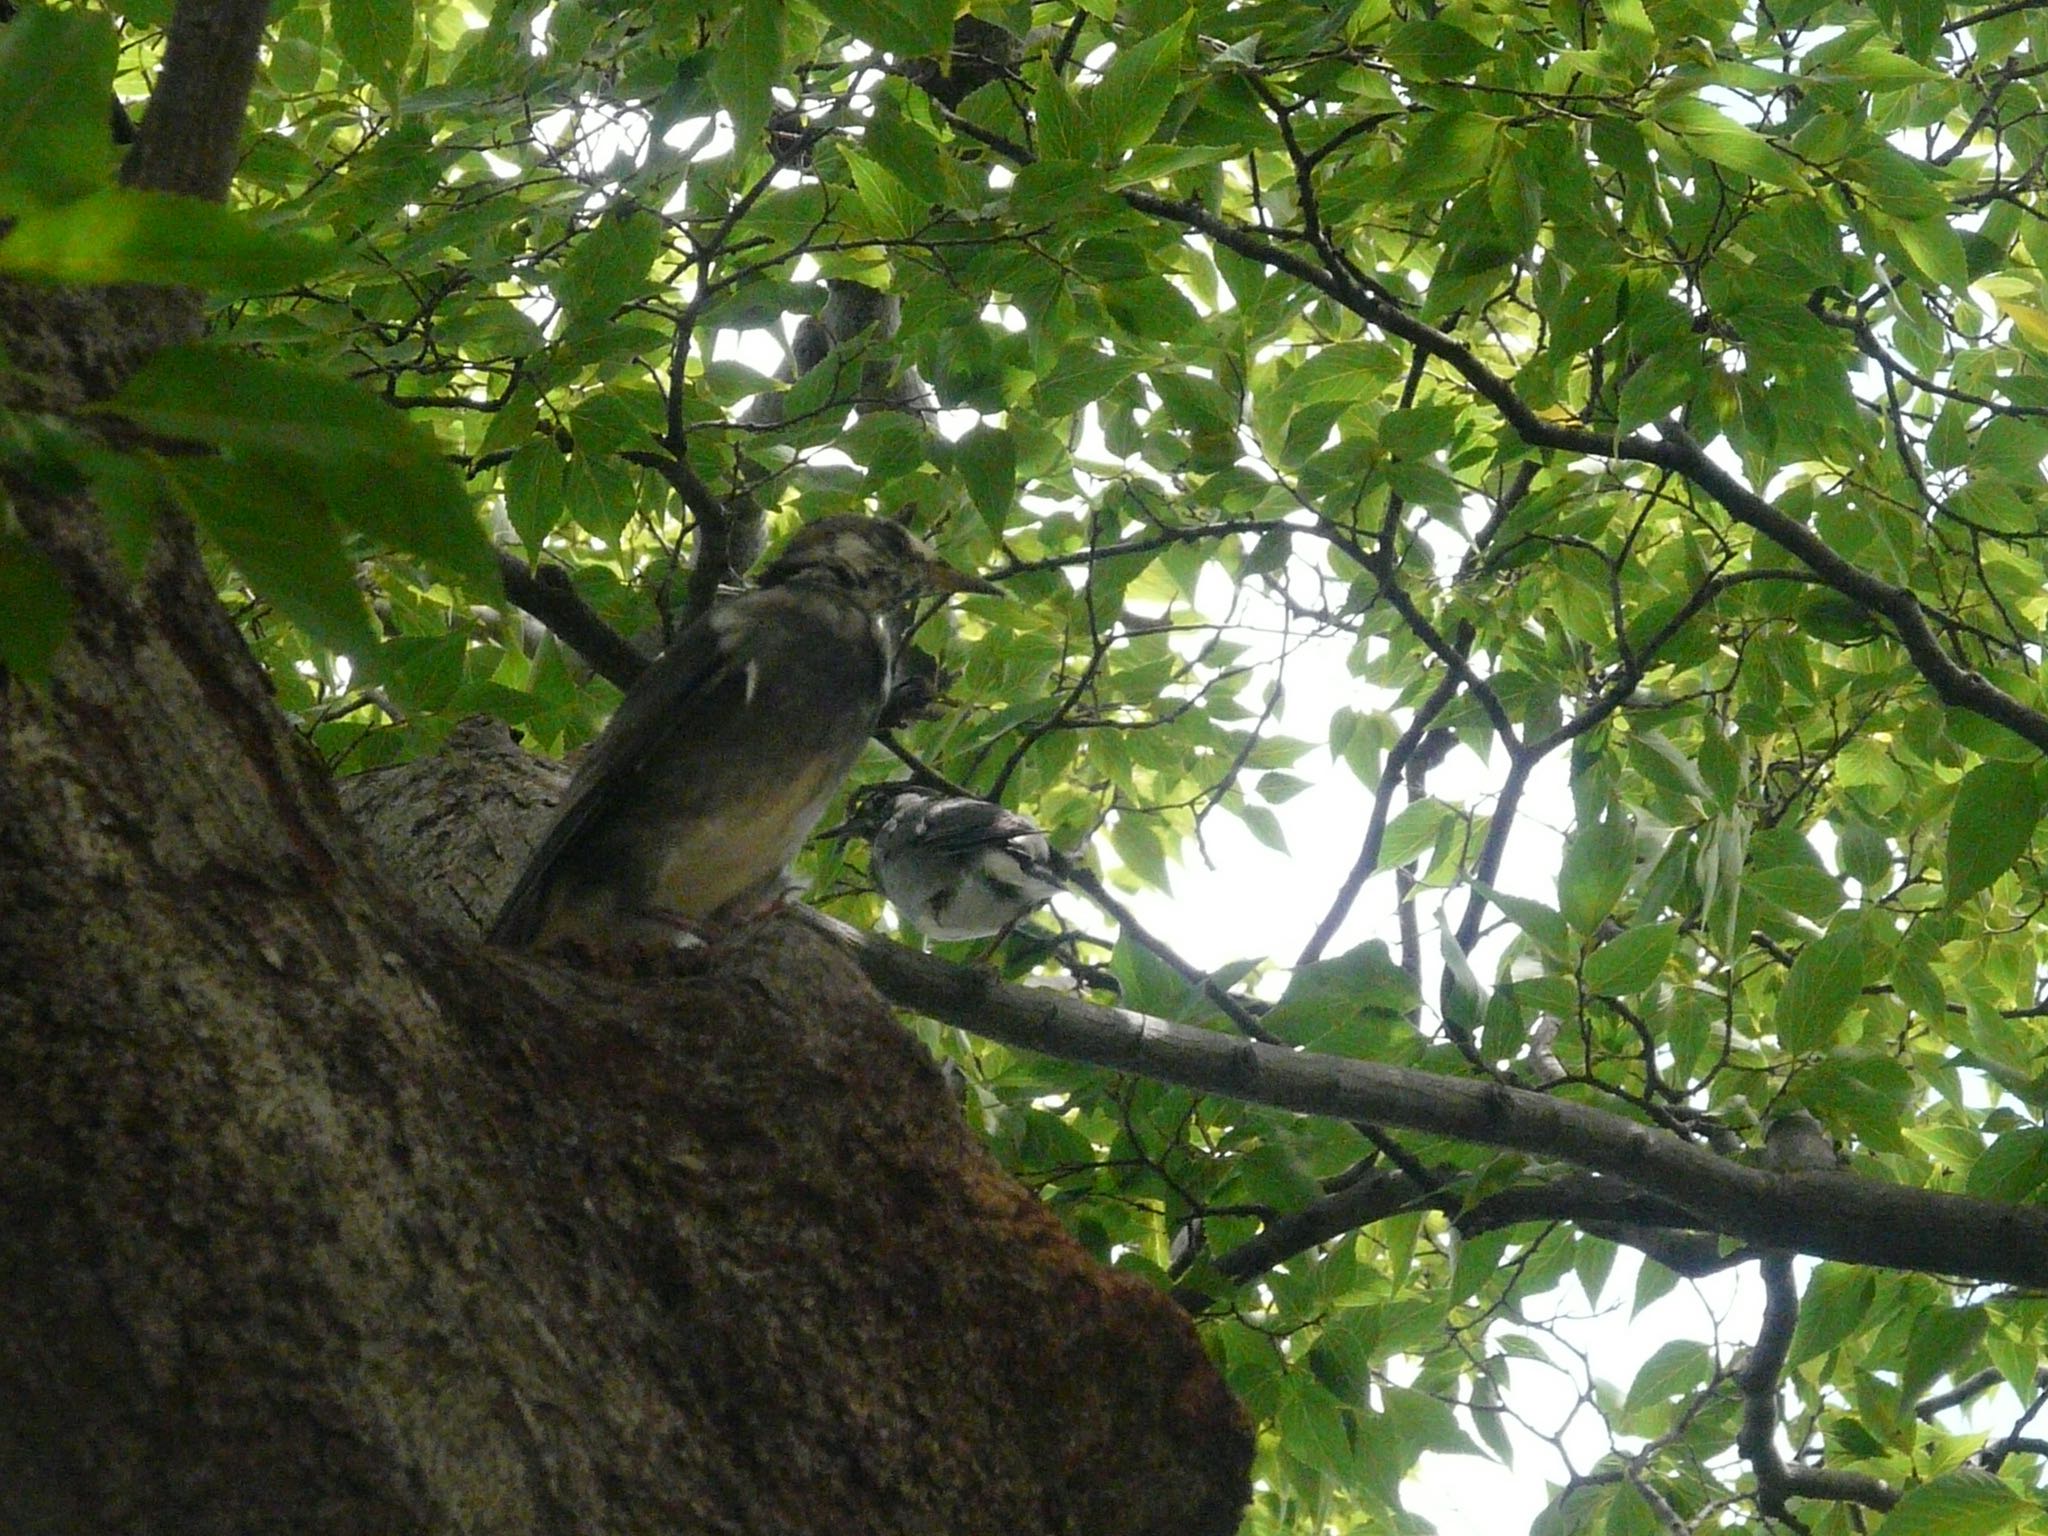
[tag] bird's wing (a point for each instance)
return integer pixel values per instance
(961, 826)
(965, 827)
(703, 657)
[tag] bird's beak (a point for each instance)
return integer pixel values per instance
(941, 577)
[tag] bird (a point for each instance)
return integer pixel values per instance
(954, 866)
(718, 762)
(1796, 1142)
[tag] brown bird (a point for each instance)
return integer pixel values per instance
(724, 754)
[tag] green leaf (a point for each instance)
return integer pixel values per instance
(1942, 1340)
(1918, 25)
(1836, 1304)
(1081, 375)
(1326, 991)
(1065, 131)
(749, 59)
(376, 37)
(1631, 961)
(1465, 996)
(1151, 985)
(296, 52)
(1137, 88)
(1434, 50)
(1824, 982)
(1878, 70)
(893, 210)
(1998, 805)
(1677, 1369)
(1713, 135)
(282, 541)
(1664, 764)
(120, 235)
(1422, 1422)
(1598, 863)
(35, 609)
(1543, 924)
(2013, 1167)
(56, 78)
(1412, 831)
(379, 472)
(1653, 1283)
(1801, 888)
(1155, 162)
(987, 460)
(606, 268)
(1348, 371)
(1265, 826)
(1869, 1096)
(912, 28)
(1966, 1502)
(1451, 151)
(1934, 249)
(1919, 988)
(1312, 1425)
(1138, 844)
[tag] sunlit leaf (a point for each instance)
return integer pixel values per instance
(1630, 961)
(987, 459)
(380, 472)
(910, 27)
(285, 544)
(1598, 863)
(749, 55)
(119, 235)
(1965, 1502)
(1822, 985)
(376, 37)
(1713, 135)
(1998, 805)
(56, 76)
(1434, 50)
(1137, 88)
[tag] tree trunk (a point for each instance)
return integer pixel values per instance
(322, 1216)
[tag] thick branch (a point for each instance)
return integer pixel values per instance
(1380, 1193)
(1614, 1209)
(1757, 1439)
(546, 593)
(192, 133)
(728, 534)
(1831, 1215)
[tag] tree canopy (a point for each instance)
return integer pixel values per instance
(1649, 392)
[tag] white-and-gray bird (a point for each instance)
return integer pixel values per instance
(724, 754)
(953, 866)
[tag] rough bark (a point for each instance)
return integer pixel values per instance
(321, 1216)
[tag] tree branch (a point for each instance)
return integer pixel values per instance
(191, 134)
(1617, 1212)
(1757, 1439)
(545, 592)
(1830, 1215)
(1376, 827)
